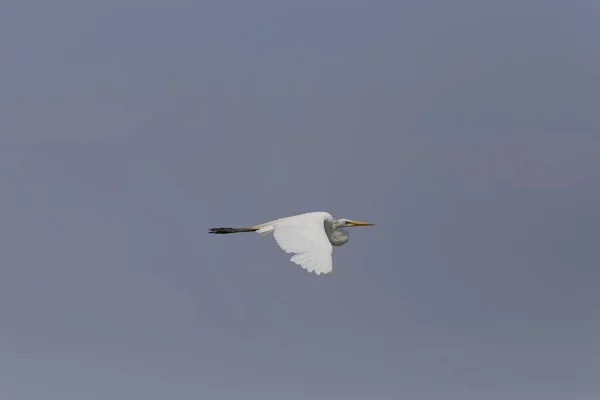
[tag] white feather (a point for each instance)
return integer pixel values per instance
(304, 236)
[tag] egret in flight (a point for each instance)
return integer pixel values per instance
(309, 237)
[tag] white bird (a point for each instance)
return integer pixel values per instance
(309, 237)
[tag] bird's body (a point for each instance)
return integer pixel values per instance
(309, 237)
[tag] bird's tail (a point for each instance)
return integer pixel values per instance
(224, 231)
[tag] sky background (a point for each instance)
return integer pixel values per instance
(468, 131)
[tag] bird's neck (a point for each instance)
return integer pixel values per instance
(337, 237)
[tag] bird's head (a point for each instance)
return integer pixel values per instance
(348, 223)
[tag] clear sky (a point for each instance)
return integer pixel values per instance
(468, 131)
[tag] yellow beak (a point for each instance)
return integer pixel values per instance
(360, 223)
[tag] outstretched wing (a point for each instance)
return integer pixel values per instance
(304, 236)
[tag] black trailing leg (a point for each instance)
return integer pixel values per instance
(224, 231)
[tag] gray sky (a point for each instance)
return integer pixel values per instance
(467, 131)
